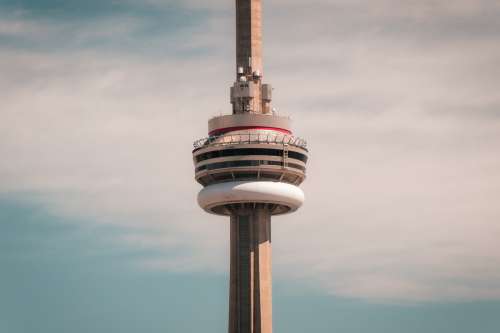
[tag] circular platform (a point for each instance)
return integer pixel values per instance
(217, 198)
(246, 121)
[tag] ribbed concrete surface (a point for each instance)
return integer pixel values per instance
(249, 45)
(249, 34)
(250, 295)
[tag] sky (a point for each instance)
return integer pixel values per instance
(100, 102)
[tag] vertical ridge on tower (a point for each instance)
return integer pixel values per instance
(249, 35)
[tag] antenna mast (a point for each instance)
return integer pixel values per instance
(248, 93)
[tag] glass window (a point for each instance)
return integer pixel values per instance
(236, 164)
(251, 152)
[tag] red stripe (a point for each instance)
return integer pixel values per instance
(221, 131)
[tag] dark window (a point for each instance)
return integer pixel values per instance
(245, 175)
(236, 164)
(222, 177)
(266, 175)
(251, 152)
(297, 156)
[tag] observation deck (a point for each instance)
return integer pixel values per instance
(250, 155)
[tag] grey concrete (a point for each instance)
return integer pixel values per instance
(250, 296)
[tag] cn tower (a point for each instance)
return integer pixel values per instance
(250, 167)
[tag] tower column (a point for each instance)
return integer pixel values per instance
(249, 56)
(249, 35)
(250, 295)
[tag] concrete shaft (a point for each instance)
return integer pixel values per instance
(249, 35)
(250, 296)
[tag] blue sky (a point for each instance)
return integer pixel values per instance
(60, 275)
(101, 100)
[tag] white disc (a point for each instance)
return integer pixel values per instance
(221, 194)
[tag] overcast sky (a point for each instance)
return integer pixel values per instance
(101, 100)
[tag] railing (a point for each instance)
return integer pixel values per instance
(231, 139)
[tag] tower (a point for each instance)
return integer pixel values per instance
(250, 167)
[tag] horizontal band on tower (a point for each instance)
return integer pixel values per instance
(249, 152)
(222, 131)
(252, 163)
(289, 196)
(235, 122)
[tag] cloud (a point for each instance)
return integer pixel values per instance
(400, 109)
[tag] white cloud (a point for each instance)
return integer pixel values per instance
(403, 129)
(16, 27)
